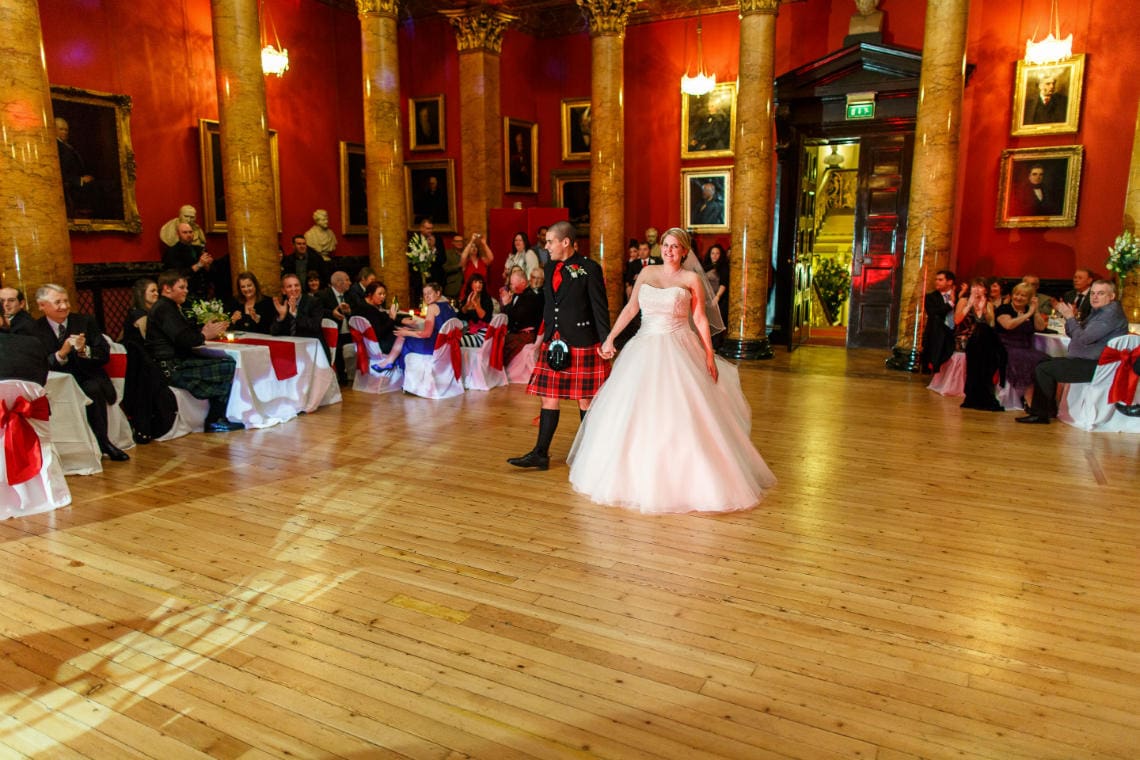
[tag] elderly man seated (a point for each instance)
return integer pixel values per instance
(1087, 338)
(523, 308)
(170, 342)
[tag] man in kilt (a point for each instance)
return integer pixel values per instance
(170, 342)
(575, 312)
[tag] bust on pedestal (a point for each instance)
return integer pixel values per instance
(186, 215)
(319, 237)
(867, 23)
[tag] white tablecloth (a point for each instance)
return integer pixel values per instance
(259, 399)
(70, 434)
(1053, 344)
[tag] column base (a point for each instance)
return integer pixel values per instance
(904, 360)
(734, 348)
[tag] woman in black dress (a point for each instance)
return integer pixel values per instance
(250, 311)
(143, 295)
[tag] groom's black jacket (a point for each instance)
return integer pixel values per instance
(579, 311)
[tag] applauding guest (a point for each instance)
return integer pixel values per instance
(1016, 323)
(250, 311)
(420, 339)
(477, 310)
(523, 308)
(380, 315)
(298, 314)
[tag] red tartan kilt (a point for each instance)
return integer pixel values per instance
(582, 379)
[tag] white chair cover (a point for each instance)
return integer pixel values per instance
(45, 491)
(433, 375)
(522, 365)
(950, 380)
(74, 443)
(191, 417)
(478, 374)
(368, 380)
(1009, 396)
(118, 427)
(1086, 405)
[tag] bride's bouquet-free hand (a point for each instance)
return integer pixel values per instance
(420, 255)
(209, 311)
(1124, 254)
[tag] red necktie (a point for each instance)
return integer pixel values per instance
(556, 278)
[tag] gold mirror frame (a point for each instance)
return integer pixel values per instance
(213, 181)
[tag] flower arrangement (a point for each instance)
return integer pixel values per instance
(832, 281)
(420, 255)
(209, 311)
(1124, 254)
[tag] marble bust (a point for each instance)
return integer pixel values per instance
(319, 237)
(654, 246)
(867, 19)
(186, 215)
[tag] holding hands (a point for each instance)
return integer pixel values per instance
(607, 350)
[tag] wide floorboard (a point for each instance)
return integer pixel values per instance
(374, 581)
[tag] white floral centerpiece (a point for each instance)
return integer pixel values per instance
(1124, 254)
(420, 255)
(209, 311)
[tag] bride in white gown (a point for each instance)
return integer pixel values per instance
(665, 434)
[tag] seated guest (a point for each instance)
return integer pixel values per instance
(1016, 323)
(985, 354)
(996, 291)
(1044, 301)
(420, 339)
(380, 315)
(938, 335)
(355, 295)
(21, 356)
(312, 283)
(15, 310)
(335, 306)
(170, 342)
(298, 313)
(523, 308)
(1087, 339)
(250, 311)
(144, 293)
(74, 344)
(1078, 297)
(477, 310)
(537, 279)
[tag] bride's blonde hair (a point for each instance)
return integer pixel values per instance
(681, 236)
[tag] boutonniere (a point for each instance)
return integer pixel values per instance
(576, 270)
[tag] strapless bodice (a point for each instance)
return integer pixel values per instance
(664, 310)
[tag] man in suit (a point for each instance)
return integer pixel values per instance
(192, 260)
(74, 344)
(171, 341)
(356, 293)
(1078, 297)
(577, 318)
(1050, 106)
(303, 260)
(21, 356)
(13, 306)
(298, 313)
(335, 306)
(938, 335)
(1087, 338)
(523, 308)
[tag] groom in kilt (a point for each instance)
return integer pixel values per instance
(576, 317)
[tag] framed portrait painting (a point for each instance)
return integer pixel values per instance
(576, 129)
(213, 179)
(570, 189)
(353, 189)
(1039, 187)
(93, 135)
(706, 198)
(708, 122)
(426, 123)
(429, 187)
(1047, 97)
(520, 155)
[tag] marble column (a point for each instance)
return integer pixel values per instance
(607, 20)
(752, 184)
(1130, 295)
(383, 145)
(34, 243)
(479, 37)
(934, 170)
(247, 163)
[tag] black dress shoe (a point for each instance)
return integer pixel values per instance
(1033, 419)
(1128, 410)
(114, 453)
(534, 458)
(224, 426)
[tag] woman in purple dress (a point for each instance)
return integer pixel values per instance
(1016, 322)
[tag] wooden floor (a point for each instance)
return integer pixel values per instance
(374, 581)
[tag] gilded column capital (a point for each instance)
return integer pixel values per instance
(389, 8)
(768, 7)
(479, 29)
(608, 16)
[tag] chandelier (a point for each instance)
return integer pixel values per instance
(702, 83)
(274, 58)
(1053, 47)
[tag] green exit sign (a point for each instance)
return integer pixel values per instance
(864, 110)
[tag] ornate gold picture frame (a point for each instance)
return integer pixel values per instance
(520, 156)
(706, 198)
(570, 189)
(708, 123)
(429, 190)
(213, 181)
(427, 125)
(96, 160)
(1039, 187)
(1047, 97)
(353, 189)
(576, 129)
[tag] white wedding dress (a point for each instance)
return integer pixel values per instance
(661, 435)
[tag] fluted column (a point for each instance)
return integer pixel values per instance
(1130, 296)
(934, 170)
(383, 145)
(607, 19)
(34, 243)
(247, 164)
(479, 36)
(752, 184)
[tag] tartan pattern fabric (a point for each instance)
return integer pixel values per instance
(582, 379)
(204, 377)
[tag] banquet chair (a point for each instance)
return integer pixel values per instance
(1092, 405)
(483, 365)
(437, 375)
(950, 379)
(522, 364)
(331, 334)
(366, 353)
(28, 487)
(118, 427)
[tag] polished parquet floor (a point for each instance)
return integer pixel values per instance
(373, 581)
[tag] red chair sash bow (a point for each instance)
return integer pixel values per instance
(497, 337)
(331, 335)
(116, 365)
(451, 340)
(22, 454)
(361, 352)
(1125, 380)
